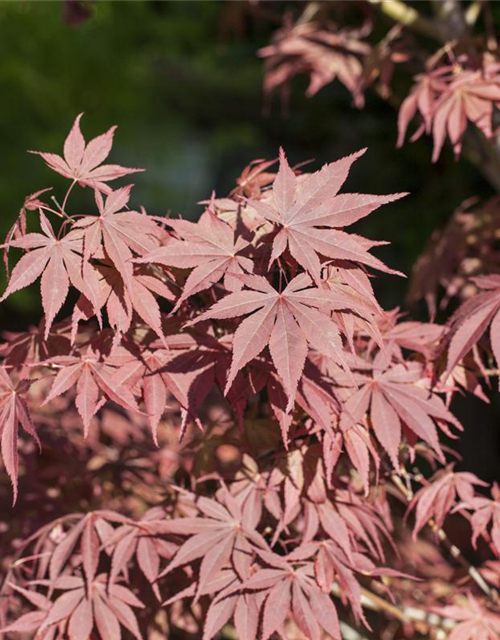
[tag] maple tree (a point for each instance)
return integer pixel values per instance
(258, 450)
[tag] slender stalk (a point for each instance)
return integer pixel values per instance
(70, 189)
(309, 13)
(405, 615)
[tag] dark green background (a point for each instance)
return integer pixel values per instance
(184, 84)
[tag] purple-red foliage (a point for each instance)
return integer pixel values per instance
(288, 410)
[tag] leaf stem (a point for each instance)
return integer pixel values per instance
(63, 207)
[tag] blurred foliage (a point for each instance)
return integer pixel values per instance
(183, 82)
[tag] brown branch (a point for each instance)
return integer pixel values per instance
(405, 615)
(409, 17)
(473, 11)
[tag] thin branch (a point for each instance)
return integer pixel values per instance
(405, 614)
(409, 17)
(349, 633)
(309, 13)
(473, 12)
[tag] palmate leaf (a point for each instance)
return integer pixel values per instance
(109, 293)
(209, 248)
(119, 232)
(450, 97)
(286, 321)
(293, 591)
(471, 321)
(92, 378)
(58, 261)
(107, 609)
(225, 532)
(13, 412)
(474, 621)
(438, 498)
(82, 161)
(308, 216)
(394, 397)
(486, 511)
(325, 55)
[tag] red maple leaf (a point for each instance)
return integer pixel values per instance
(292, 590)
(226, 531)
(121, 234)
(395, 396)
(474, 621)
(437, 498)
(13, 412)
(486, 510)
(57, 260)
(323, 55)
(450, 97)
(309, 213)
(209, 248)
(79, 610)
(92, 377)
(470, 322)
(287, 321)
(81, 161)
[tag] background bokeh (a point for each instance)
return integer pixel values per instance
(183, 82)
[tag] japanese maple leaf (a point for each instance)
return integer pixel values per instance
(244, 608)
(140, 540)
(422, 100)
(24, 349)
(187, 371)
(81, 161)
(422, 337)
(447, 99)
(308, 215)
(209, 248)
(394, 396)
(119, 301)
(57, 260)
(469, 98)
(254, 178)
(13, 412)
(472, 319)
(324, 55)
(87, 534)
(18, 229)
(91, 377)
(122, 234)
(486, 511)
(79, 610)
(474, 621)
(225, 532)
(293, 591)
(287, 321)
(146, 368)
(437, 498)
